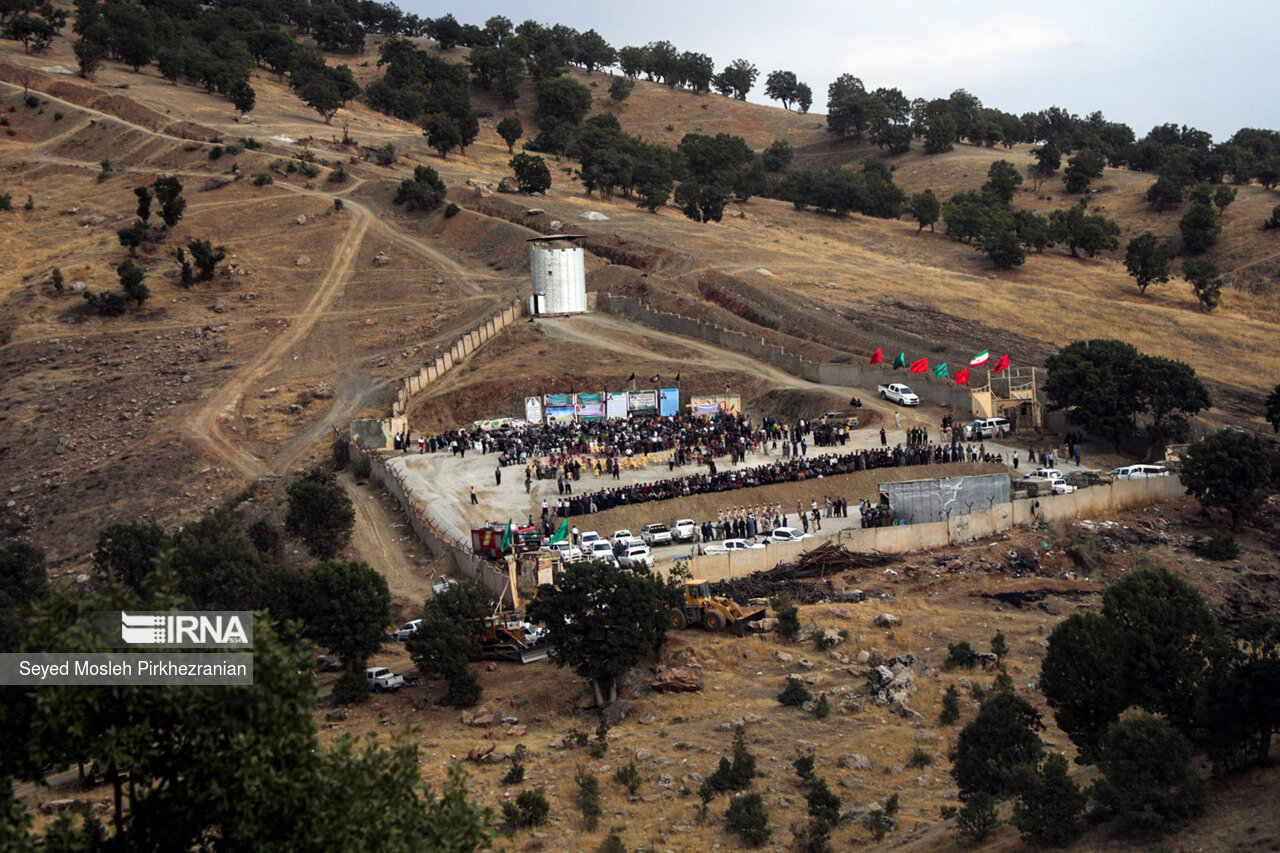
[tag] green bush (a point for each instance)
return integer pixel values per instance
(784, 607)
(920, 758)
(351, 689)
(341, 450)
(795, 693)
(361, 467)
(250, 143)
(1217, 545)
(515, 775)
(589, 799)
(950, 706)
(216, 151)
(961, 655)
(451, 210)
(530, 809)
(262, 179)
(628, 777)
(822, 709)
(6, 201)
(978, 817)
(748, 817)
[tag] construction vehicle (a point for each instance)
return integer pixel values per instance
(507, 636)
(713, 613)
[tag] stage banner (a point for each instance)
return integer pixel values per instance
(559, 400)
(589, 406)
(642, 404)
(559, 414)
(615, 405)
(533, 410)
(668, 402)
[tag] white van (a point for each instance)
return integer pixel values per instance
(988, 428)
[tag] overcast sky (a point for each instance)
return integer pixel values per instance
(1212, 65)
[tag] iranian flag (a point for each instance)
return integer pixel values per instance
(980, 359)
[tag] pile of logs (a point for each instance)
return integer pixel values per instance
(803, 578)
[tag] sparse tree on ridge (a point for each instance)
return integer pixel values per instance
(1148, 260)
(510, 129)
(736, 79)
(926, 208)
(1202, 273)
(782, 86)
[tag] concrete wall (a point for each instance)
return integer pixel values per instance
(1023, 512)
(467, 343)
(864, 376)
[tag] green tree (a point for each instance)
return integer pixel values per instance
(1049, 806)
(133, 236)
(1082, 169)
(999, 240)
(168, 190)
(424, 191)
(782, 86)
(320, 512)
(1083, 680)
(1166, 192)
(1228, 469)
(991, 750)
(242, 96)
(186, 273)
(1223, 195)
(925, 207)
(620, 89)
(1240, 706)
(1048, 161)
(1148, 260)
(940, 134)
(326, 90)
(24, 580)
(978, 817)
(127, 552)
(1166, 641)
(1171, 393)
(702, 202)
(510, 129)
(1205, 282)
(749, 818)
(777, 156)
(736, 79)
(217, 565)
(1003, 178)
(532, 174)
(345, 607)
(1273, 409)
(602, 621)
(1199, 228)
(446, 639)
(1149, 784)
(36, 32)
(1092, 233)
(442, 132)
(206, 257)
(562, 100)
(1095, 383)
(145, 198)
(950, 706)
(131, 281)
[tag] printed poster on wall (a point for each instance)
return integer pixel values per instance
(533, 410)
(560, 400)
(642, 404)
(615, 405)
(560, 414)
(589, 406)
(668, 402)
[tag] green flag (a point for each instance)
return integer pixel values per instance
(561, 534)
(901, 360)
(941, 371)
(508, 535)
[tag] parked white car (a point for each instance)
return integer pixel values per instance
(636, 556)
(728, 546)
(381, 679)
(600, 550)
(587, 538)
(785, 534)
(684, 530)
(402, 633)
(987, 428)
(1139, 472)
(898, 393)
(620, 536)
(1057, 481)
(568, 552)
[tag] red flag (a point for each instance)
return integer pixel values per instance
(920, 366)
(962, 376)
(877, 356)
(1002, 364)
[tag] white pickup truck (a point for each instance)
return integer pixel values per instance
(1057, 482)
(382, 680)
(899, 393)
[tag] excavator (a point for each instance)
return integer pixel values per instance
(713, 613)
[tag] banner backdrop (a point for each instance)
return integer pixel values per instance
(668, 402)
(560, 414)
(642, 404)
(589, 407)
(615, 405)
(559, 400)
(533, 410)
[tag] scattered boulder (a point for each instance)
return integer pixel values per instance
(480, 750)
(508, 185)
(616, 712)
(92, 219)
(302, 260)
(337, 715)
(685, 679)
(593, 216)
(534, 211)
(485, 719)
(783, 657)
(381, 259)
(220, 307)
(301, 219)
(853, 761)
(831, 637)
(324, 392)
(887, 620)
